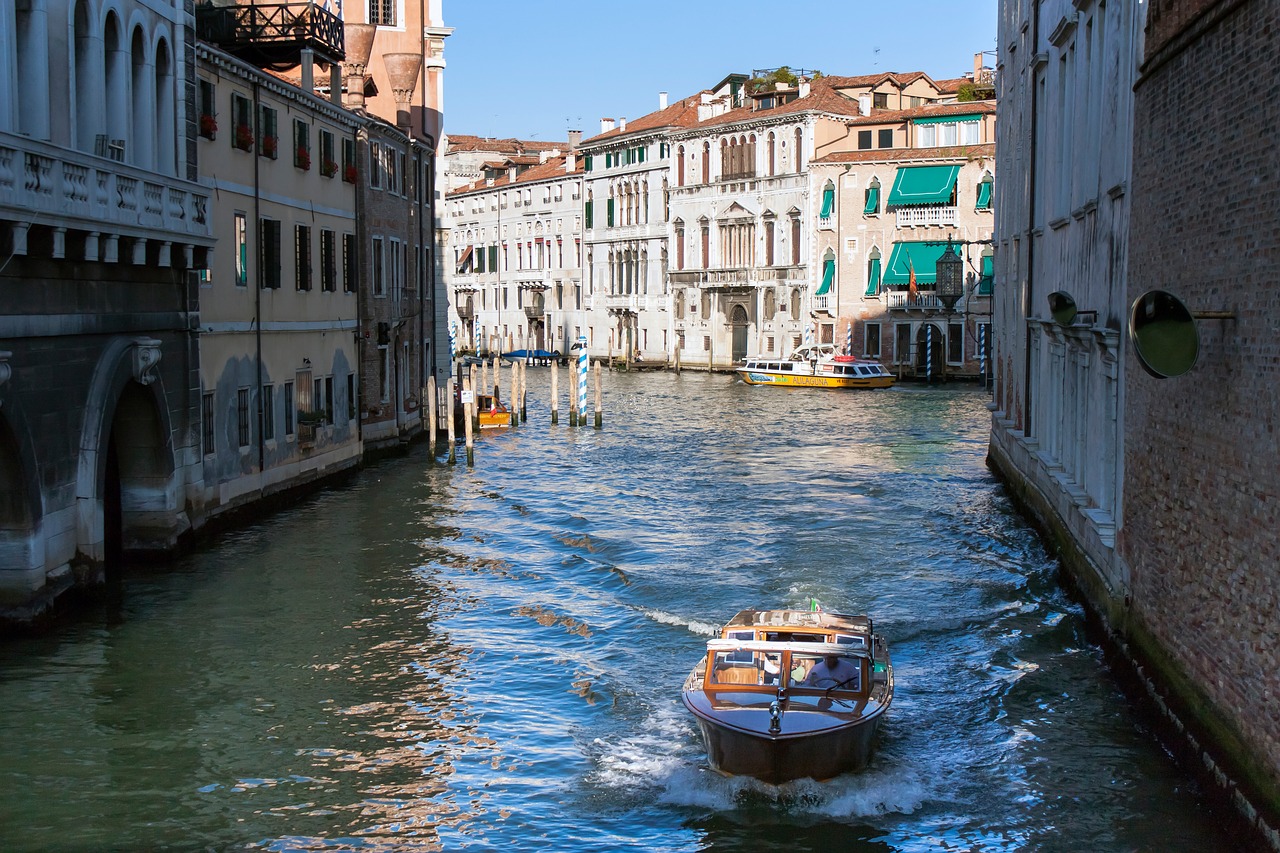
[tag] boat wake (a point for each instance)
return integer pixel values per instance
(705, 629)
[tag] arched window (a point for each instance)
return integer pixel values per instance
(795, 303)
(141, 135)
(706, 162)
(680, 166)
(771, 151)
(31, 25)
(87, 84)
(873, 272)
(799, 152)
(165, 98)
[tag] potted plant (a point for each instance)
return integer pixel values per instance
(208, 126)
(269, 146)
(349, 174)
(328, 168)
(302, 158)
(244, 137)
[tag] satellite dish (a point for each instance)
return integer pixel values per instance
(1062, 308)
(1164, 334)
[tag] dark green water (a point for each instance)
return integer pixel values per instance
(439, 657)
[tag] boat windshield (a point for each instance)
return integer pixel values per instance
(826, 672)
(744, 667)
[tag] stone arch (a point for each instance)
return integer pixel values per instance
(930, 360)
(22, 547)
(126, 416)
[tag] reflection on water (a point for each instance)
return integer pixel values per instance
(438, 657)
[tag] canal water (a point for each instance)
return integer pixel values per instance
(439, 657)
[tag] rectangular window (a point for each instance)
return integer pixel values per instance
(885, 139)
(927, 136)
(302, 246)
(288, 408)
(208, 110)
(268, 412)
(328, 399)
(206, 423)
(328, 160)
(384, 372)
(268, 135)
(242, 119)
(871, 345)
(902, 346)
(317, 398)
(382, 12)
(955, 343)
(328, 260)
(269, 253)
(379, 284)
(880, 100)
(588, 210)
(864, 139)
(349, 170)
(351, 396)
(350, 269)
(301, 144)
(242, 416)
(242, 250)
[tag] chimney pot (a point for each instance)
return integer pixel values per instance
(575, 139)
(662, 100)
(622, 123)
(606, 125)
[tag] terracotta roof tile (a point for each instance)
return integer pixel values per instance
(682, 113)
(554, 167)
(465, 142)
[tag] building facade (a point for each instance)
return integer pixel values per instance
(1157, 492)
(102, 229)
(279, 367)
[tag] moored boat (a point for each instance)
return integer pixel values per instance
(816, 366)
(789, 694)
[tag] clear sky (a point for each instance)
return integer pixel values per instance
(535, 69)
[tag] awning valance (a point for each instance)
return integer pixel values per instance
(923, 185)
(947, 119)
(922, 256)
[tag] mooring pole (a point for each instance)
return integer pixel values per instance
(449, 427)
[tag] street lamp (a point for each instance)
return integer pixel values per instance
(950, 278)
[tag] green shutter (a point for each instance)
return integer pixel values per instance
(873, 278)
(609, 214)
(984, 196)
(873, 201)
(987, 282)
(493, 259)
(588, 212)
(587, 165)
(828, 276)
(828, 201)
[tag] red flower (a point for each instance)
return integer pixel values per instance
(302, 158)
(269, 146)
(328, 168)
(349, 175)
(208, 126)
(244, 137)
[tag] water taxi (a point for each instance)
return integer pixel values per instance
(816, 366)
(789, 694)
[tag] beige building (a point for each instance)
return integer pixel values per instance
(278, 353)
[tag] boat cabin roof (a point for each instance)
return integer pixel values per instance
(800, 620)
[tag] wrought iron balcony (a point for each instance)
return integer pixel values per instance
(272, 33)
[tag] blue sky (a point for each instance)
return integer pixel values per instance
(535, 69)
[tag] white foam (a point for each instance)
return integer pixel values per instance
(705, 629)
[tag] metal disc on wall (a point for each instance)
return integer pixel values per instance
(1164, 334)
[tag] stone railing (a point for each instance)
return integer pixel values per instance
(902, 300)
(79, 190)
(911, 217)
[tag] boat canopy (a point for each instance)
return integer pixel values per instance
(724, 645)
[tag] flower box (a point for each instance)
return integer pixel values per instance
(328, 168)
(349, 174)
(208, 126)
(269, 146)
(302, 159)
(244, 137)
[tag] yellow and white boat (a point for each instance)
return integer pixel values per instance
(816, 366)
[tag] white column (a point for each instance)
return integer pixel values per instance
(8, 68)
(33, 71)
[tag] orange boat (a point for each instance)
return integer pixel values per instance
(789, 694)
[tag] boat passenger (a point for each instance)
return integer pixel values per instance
(833, 671)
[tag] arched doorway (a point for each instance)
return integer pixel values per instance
(135, 479)
(930, 349)
(739, 321)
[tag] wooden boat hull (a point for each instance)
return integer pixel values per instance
(495, 420)
(802, 380)
(812, 744)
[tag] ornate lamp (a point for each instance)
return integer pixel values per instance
(950, 278)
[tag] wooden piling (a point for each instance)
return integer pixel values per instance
(599, 407)
(473, 413)
(513, 390)
(484, 378)
(471, 409)
(677, 358)
(524, 391)
(433, 422)
(555, 392)
(453, 444)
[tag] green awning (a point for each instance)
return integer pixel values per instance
(923, 185)
(873, 201)
(988, 279)
(984, 196)
(828, 201)
(946, 119)
(873, 277)
(828, 276)
(922, 256)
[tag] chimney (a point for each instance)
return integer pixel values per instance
(977, 67)
(606, 125)
(570, 162)
(662, 100)
(403, 69)
(622, 124)
(575, 139)
(358, 39)
(864, 104)
(804, 87)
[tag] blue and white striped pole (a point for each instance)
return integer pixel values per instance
(477, 352)
(848, 340)
(808, 334)
(453, 339)
(582, 379)
(928, 353)
(982, 352)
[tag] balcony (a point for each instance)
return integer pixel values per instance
(902, 300)
(912, 217)
(624, 303)
(76, 190)
(272, 33)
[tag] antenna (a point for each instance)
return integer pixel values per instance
(876, 59)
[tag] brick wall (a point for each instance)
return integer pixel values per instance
(1202, 474)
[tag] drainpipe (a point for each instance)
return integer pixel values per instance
(257, 291)
(1031, 225)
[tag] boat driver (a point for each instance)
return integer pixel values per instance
(833, 671)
